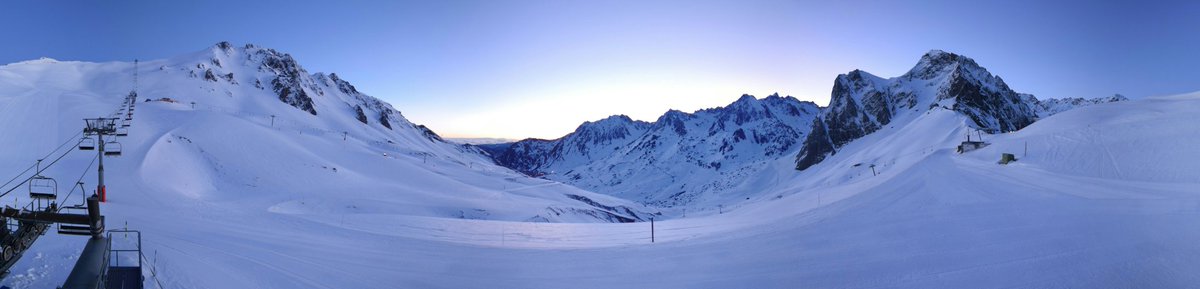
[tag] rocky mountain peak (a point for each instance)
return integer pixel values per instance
(936, 62)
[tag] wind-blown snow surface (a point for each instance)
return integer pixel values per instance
(1062, 217)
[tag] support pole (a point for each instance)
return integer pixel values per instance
(651, 229)
(94, 218)
(100, 168)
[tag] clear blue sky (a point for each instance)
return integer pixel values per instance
(523, 68)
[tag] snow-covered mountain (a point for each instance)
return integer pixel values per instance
(862, 103)
(481, 141)
(279, 74)
(590, 142)
(231, 121)
(680, 158)
(1048, 107)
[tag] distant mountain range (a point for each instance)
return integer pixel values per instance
(682, 158)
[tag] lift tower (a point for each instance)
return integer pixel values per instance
(99, 127)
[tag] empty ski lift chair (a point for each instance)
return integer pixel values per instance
(125, 260)
(122, 131)
(70, 229)
(87, 144)
(112, 148)
(125, 123)
(42, 188)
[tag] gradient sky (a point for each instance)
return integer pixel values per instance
(517, 69)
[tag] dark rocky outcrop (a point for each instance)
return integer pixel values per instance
(362, 117)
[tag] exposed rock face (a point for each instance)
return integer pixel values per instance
(385, 120)
(526, 156)
(289, 82)
(429, 134)
(362, 117)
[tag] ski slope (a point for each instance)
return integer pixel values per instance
(1105, 198)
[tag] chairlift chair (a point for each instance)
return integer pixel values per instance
(122, 131)
(87, 144)
(112, 148)
(43, 188)
(70, 229)
(125, 123)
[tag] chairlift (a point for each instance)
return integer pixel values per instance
(43, 188)
(87, 144)
(125, 123)
(122, 131)
(112, 148)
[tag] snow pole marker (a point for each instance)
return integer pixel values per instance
(651, 229)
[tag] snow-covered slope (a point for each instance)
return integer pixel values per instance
(694, 159)
(1149, 141)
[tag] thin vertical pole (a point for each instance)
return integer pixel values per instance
(651, 229)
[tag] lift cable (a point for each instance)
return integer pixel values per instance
(40, 170)
(80, 180)
(45, 157)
